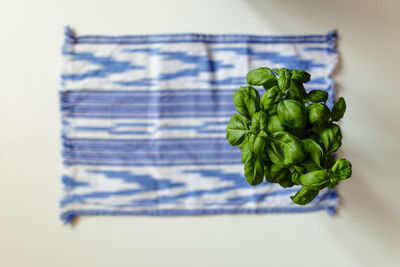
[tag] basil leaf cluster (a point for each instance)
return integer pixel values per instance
(287, 136)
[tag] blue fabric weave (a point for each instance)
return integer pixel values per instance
(144, 121)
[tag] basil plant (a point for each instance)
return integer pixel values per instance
(287, 136)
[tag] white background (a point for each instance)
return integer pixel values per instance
(364, 233)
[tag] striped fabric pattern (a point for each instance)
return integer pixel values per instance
(144, 119)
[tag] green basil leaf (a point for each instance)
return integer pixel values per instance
(296, 178)
(304, 196)
(333, 181)
(297, 90)
(342, 168)
(275, 173)
(313, 151)
(284, 79)
(245, 148)
(260, 76)
(338, 109)
(285, 149)
(315, 179)
(264, 158)
(301, 75)
(318, 96)
(318, 113)
(270, 83)
(247, 101)
(310, 166)
(292, 113)
(237, 128)
(256, 143)
(296, 172)
(275, 124)
(269, 98)
(254, 169)
(331, 138)
(259, 122)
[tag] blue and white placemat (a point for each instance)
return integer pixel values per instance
(144, 119)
